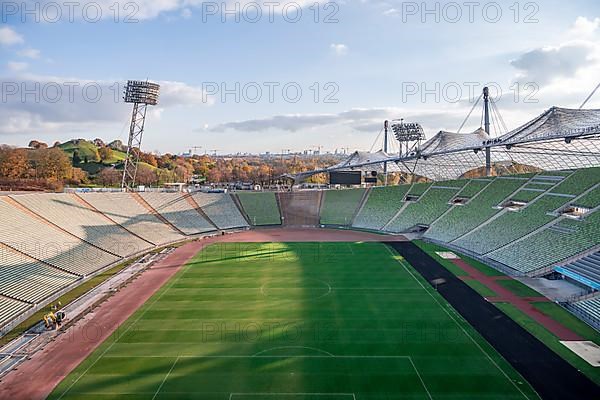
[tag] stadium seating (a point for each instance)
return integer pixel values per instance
(418, 188)
(381, 206)
(49, 242)
(125, 210)
(221, 210)
(473, 187)
(579, 181)
(65, 211)
(46, 243)
(261, 208)
(464, 218)
(10, 309)
(25, 279)
(176, 209)
(511, 225)
(563, 240)
(526, 195)
(427, 209)
(588, 267)
(340, 206)
(589, 200)
(590, 309)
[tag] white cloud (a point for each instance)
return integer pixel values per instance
(45, 105)
(542, 65)
(584, 27)
(150, 9)
(29, 53)
(366, 120)
(566, 72)
(339, 49)
(16, 66)
(186, 13)
(9, 36)
(179, 93)
(391, 12)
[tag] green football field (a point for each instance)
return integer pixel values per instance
(295, 321)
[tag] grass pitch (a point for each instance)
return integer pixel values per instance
(295, 321)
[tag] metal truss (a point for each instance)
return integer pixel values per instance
(136, 132)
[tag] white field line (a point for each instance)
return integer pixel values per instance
(231, 395)
(402, 262)
(166, 289)
(420, 378)
(264, 356)
(165, 379)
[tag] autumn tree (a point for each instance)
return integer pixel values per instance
(13, 163)
(110, 177)
(35, 144)
(53, 164)
(105, 153)
(149, 158)
(145, 175)
(78, 176)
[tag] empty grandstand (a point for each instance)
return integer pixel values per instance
(10, 309)
(588, 310)
(381, 205)
(221, 210)
(179, 211)
(511, 225)
(585, 270)
(127, 211)
(26, 279)
(340, 206)
(461, 219)
(73, 216)
(261, 208)
(426, 209)
(38, 239)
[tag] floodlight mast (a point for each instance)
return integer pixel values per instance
(486, 111)
(409, 134)
(386, 125)
(141, 94)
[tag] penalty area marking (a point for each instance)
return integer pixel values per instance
(328, 354)
(404, 263)
(350, 395)
(165, 379)
(325, 354)
(148, 304)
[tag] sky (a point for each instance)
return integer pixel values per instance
(257, 76)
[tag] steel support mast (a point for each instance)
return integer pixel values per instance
(141, 94)
(486, 119)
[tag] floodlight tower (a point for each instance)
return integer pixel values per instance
(141, 94)
(409, 135)
(486, 125)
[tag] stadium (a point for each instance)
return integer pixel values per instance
(463, 288)
(218, 228)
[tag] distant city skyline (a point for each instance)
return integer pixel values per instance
(253, 77)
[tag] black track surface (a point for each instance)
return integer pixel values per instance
(550, 375)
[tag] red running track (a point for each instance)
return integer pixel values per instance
(36, 378)
(522, 303)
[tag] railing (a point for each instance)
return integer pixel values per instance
(582, 315)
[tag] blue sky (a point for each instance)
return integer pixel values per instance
(374, 60)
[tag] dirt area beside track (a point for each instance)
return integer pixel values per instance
(37, 377)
